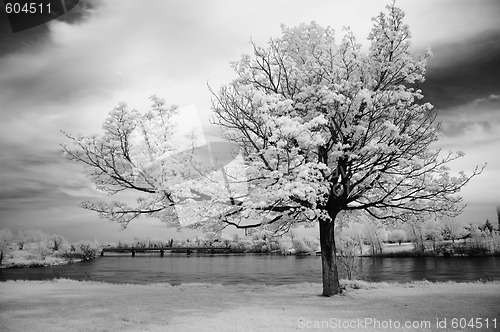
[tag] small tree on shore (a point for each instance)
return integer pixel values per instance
(433, 231)
(375, 235)
(347, 248)
(487, 227)
(32, 237)
(356, 233)
(416, 233)
(498, 216)
(397, 236)
(88, 249)
(6, 238)
(453, 230)
(58, 243)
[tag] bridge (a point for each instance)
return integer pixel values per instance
(162, 250)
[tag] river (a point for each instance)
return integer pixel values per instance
(257, 269)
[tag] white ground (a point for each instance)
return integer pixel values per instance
(66, 305)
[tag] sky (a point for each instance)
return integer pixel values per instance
(69, 73)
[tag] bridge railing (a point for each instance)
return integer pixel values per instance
(162, 250)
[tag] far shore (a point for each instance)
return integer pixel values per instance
(67, 305)
(27, 259)
(46, 262)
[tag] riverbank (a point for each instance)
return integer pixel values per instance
(34, 258)
(27, 258)
(66, 305)
(459, 248)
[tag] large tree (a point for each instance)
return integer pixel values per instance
(325, 127)
(322, 128)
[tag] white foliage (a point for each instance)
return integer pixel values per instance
(322, 127)
(317, 118)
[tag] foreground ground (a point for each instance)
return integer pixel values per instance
(65, 305)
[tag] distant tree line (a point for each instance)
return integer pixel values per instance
(358, 237)
(430, 237)
(256, 242)
(34, 247)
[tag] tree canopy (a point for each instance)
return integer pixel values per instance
(325, 127)
(145, 153)
(322, 127)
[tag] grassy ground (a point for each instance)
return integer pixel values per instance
(65, 305)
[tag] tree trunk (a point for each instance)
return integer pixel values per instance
(331, 285)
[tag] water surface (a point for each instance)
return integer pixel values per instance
(258, 269)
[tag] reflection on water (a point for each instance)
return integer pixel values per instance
(260, 269)
(430, 268)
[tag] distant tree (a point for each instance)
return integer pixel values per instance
(396, 235)
(88, 249)
(198, 241)
(34, 241)
(260, 242)
(58, 242)
(31, 237)
(347, 249)
(453, 230)
(498, 216)
(6, 238)
(355, 234)
(286, 245)
(433, 231)
(475, 232)
(210, 238)
(244, 244)
(312, 242)
(42, 248)
(415, 232)
(488, 227)
(375, 235)
(139, 243)
(299, 247)
(226, 240)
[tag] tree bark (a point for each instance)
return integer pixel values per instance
(331, 285)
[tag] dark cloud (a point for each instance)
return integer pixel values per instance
(68, 76)
(29, 39)
(460, 73)
(481, 116)
(34, 180)
(458, 128)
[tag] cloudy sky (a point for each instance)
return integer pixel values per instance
(68, 74)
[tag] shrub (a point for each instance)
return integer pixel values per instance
(301, 247)
(87, 249)
(396, 236)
